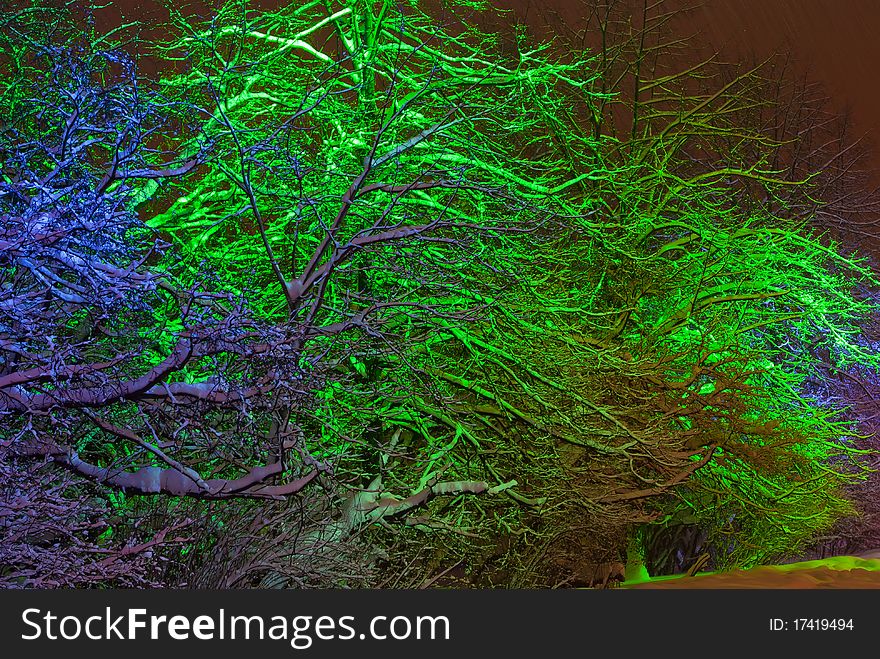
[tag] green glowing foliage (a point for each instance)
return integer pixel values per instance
(617, 314)
(360, 162)
(352, 122)
(708, 311)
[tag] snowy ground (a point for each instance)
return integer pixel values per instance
(836, 572)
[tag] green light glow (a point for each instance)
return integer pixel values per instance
(480, 275)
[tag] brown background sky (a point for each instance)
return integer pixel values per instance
(834, 42)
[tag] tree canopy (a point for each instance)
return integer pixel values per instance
(354, 292)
